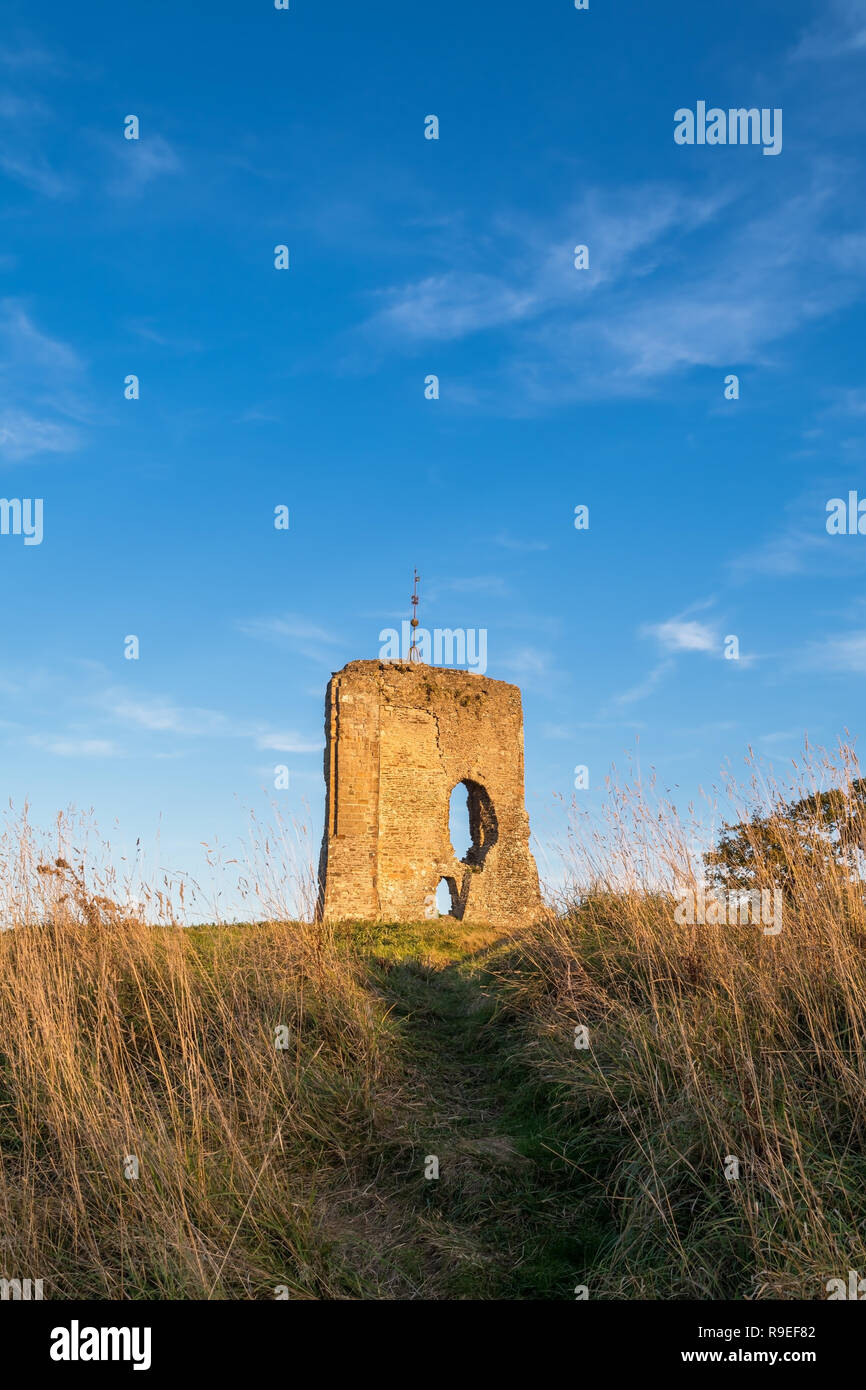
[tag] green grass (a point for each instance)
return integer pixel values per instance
(557, 1167)
(259, 1167)
(508, 1216)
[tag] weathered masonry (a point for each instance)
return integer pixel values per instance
(399, 737)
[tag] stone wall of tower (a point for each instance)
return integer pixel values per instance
(399, 738)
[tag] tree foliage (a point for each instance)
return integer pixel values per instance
(822, 831)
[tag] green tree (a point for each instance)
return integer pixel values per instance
(815, 835)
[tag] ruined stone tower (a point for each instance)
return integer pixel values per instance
(399, 737)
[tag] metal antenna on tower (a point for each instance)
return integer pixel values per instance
(414, 654)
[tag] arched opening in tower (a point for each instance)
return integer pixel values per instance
(447, 898)
(472, 823)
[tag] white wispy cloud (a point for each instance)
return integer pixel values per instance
(531, 666)
(801, 544)
(561, 733)
(788, 552)
(518, 543)
(288, 743)
(159, 714)
(27, 55)
(683, 635)
(64, 746)
(782, 737)
(844, 652)
(536, 273)
(34, 171)
(441, 307)
(843, 401)
(21, 340)
(294, 633)
(840, 32)
(24, 119)
(138, 163)
(674, 636)
(174, 342)
(643, 688)
(34, 419)
(22, 435)
(655, 301)
(528, 660)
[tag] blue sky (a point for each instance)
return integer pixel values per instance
(306, 388)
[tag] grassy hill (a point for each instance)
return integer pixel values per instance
(707, 1142)
(301, 1166)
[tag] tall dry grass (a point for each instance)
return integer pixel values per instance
(125, 1035)
(708, 1043)
(123, 1039)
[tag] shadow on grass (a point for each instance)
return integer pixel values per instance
(498, 1209)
